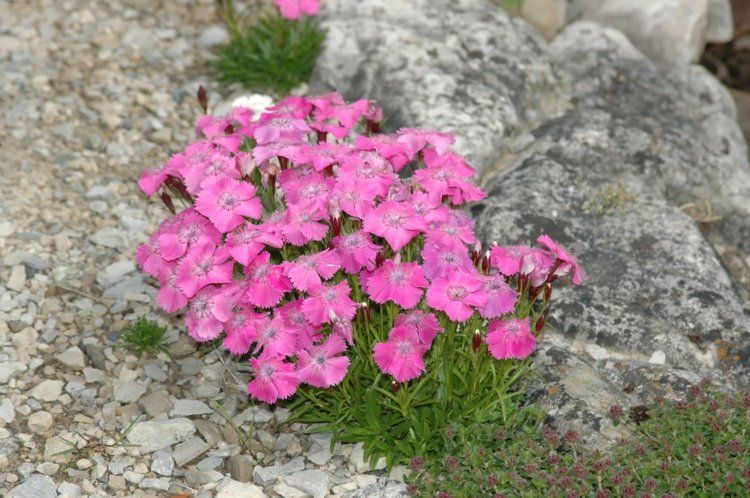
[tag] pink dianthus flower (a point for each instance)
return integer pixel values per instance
(323, 365)
(401, 356)
(226, 203)
(274, 379)
(400, 282)
(328, 302)
(510, 338)
(457, 295)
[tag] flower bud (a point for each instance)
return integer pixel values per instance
(486, 262)
(476, 341)
(379, 259)
(539, 324)
(395, 386)
(203, 99)
(167, 200)
(283, 162)
(547, 292)
(322, 136)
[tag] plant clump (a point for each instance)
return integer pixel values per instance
(338, 262)
(695, 447)
(145, 337)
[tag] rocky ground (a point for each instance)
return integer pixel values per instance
(92, 92)
(640, 169)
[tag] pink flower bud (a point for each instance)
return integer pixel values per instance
(203, 99)
(476, 341)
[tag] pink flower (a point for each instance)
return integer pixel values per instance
(397, 153)
(152, 179)
(508, 259)
(190, 229)
(425, 325)
(395, 222)
(218, 166)
(208, 311)
(241, 330)
(203, 266)
(294, 9)
(448, 175)
(289, 107)
(356, 251)
(170, 298)
(294, 319)
(149, 257)
(333, 115)
(320, 366)
(227, 201)
(308, 270)
(455, 229)
(355, 198)
(265, 283)
(274, 379)
(402, 283)
(274, 130)
(321, 155)
(344, 329)
(283, 148)
(568, 262)
(417, 140)
(302, 225)
(401, 356)
(314, 190)
(510, 338)
(501, 298)
(441, 261)
(369, 169)
(247, 241)
(327, 302)
(456, 295)
(275, 337)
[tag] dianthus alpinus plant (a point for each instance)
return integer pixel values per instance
(336, 261)
(271, 48)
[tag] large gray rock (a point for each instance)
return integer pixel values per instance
(454, 65)
(614, 178)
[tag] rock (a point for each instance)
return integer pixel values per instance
(268, 475)
(240, 467)
(26, 339)
(156, 403)
(212, 36)
(7, 228)
(208, 430)
(40, 422)
(720, 28)
(234, 489)
(157, 435)
(10, 369)
(314, 482)
(7, 411)
(547, 16)
(37, 486)
(17, 279)
(666, 31)
(467, 67)
(320, 452)
(56, 450)
(643, 135)
(189, 407)
(128, 391)
(68, 490)
(200, 477)
(96, 356)
(357, 459)
(155, 372)
(72, 358)
(127, 288)
(189, 450)
(286, 491)
(383, 489)
(47, 390)
(162, 462)
(161, 483)
(111, 238)
(115, 273)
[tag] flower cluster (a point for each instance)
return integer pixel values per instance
(305, 231)
(294, 9)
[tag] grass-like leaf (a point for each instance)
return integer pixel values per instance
(273, 55)
(145, 337)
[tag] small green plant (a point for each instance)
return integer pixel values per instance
(698, 447)
(268, 52)
(609, 200)
(145, 336)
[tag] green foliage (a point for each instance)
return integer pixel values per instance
(145, 336)
(401, 420)
(272, 54)
(609, 200)
(699, 447)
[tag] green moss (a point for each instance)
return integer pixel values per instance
(698, 447)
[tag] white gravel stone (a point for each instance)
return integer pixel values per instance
(47, 390)
(72, 357)
(156, 435)
(189, 407)
(37, 486)
(40, 422)
(357, 459)
(7, 411)
(189, 450)
(10, 369)
(234, 489)
(658, 358)
(268, 475)
(162, 462)
(214, 35)
(314, 482)
(287, 491)
(128, 391)
(17, 279)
